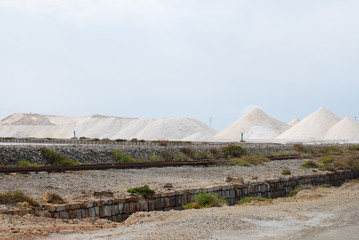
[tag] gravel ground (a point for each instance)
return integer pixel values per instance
(82, 184)
(318, 213)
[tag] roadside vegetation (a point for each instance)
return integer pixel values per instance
(123, 157)
(144, 191)
(205, 200)
(55, 158)
(12, 197)
(26, 163)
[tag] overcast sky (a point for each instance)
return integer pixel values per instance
(179, 58)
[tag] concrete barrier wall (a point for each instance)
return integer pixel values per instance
(120, 209)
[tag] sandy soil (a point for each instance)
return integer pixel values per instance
(318, 213)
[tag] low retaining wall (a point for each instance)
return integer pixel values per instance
(120, 209)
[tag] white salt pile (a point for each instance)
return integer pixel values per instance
(314, 126)
(96, 126)
(346, 129)
(254, 125)
(293, 122)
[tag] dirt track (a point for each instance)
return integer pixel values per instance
(320, 213)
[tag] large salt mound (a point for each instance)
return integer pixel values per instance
(346, 129)
(254, 125)
(314, 126)
(96, 126)
(293, 122)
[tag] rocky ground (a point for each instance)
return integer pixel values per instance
(312, 213)
(78, 185)
(317, 213)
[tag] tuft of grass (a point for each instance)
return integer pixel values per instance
(327, 160)
(255, 160)
(205, 200)
(144, 191)
(253, 199)
(231, 151)
(122, 157)
(16, 196)
(55, 158)
(26, 163)
(327, 167)
(309, 164)
(241, 162)
(297, 190)
(326, 186)
(286, 171)
(155, 158)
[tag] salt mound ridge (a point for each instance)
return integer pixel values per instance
(293, 122)
(314, 126)
(346, 129)
(256, 124)
(22, 125)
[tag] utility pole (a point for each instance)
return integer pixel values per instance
(210, 121)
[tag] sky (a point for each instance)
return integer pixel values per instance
(202, 59)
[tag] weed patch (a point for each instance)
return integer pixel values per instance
(122, 157)
(286, 171)
(16, 196)
(55, 158)
(205, 200)
(309, 164)
(144, 191)
(26, 163)
(234, 151)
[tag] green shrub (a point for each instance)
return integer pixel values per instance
(145, 191)
(16, 196)
(26, 163)
(234, 151)
(55, 158)
(122, 157)
(205, 200)
(286, 171)
(297, 190)
(326, 186)
(309, 164)
(253, 199)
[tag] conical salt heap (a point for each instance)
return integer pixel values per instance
(96, 126)
(314, 126)
(256, 124)
(346, 129)
(293, 122)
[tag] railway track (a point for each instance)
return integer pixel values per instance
(284, 157)
(104, 166)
